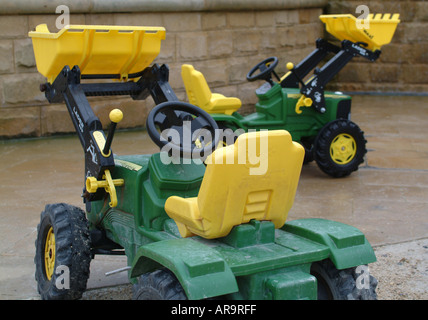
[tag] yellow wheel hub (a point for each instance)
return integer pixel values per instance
(343, 148)
(50, 253)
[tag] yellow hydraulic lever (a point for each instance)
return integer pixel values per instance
(303, 102)
(92, 185)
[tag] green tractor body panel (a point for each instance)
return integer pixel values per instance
(276, 109)
(201, 270)
(347, 245)
(255, 261)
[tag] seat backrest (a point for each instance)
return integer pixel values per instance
(256, 178)
(196, 86)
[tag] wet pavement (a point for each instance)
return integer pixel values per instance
(387, 198)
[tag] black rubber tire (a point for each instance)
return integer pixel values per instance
(322, 148)
(309, 150)
(158, 285)
(72, 252)
(334, 284)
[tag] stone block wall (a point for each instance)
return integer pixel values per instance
(222, 39)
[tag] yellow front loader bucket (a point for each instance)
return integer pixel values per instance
(376, 32)
(120, 50)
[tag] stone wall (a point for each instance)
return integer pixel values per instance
(403, 64)
(223, 39)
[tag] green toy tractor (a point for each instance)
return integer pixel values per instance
(319, 120)
(194, 221)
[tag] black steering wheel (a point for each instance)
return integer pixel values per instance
(184, 129)
(265, 68)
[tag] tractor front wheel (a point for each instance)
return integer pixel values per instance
(340, 148)
(63, 253)
(347, 284)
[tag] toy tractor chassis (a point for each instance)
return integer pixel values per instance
(168, 218)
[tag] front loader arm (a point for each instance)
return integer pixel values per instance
(314, 87)
(67, 88)
(323, 48)
(356, 40)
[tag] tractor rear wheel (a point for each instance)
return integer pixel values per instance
(63, 252)
(340, 148)
(347, 284)
(158, 285)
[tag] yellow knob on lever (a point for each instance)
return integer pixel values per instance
(92, 185)
(115, 116)
(290, 66)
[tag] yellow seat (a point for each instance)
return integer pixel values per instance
(200, 94)
(233, 192)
